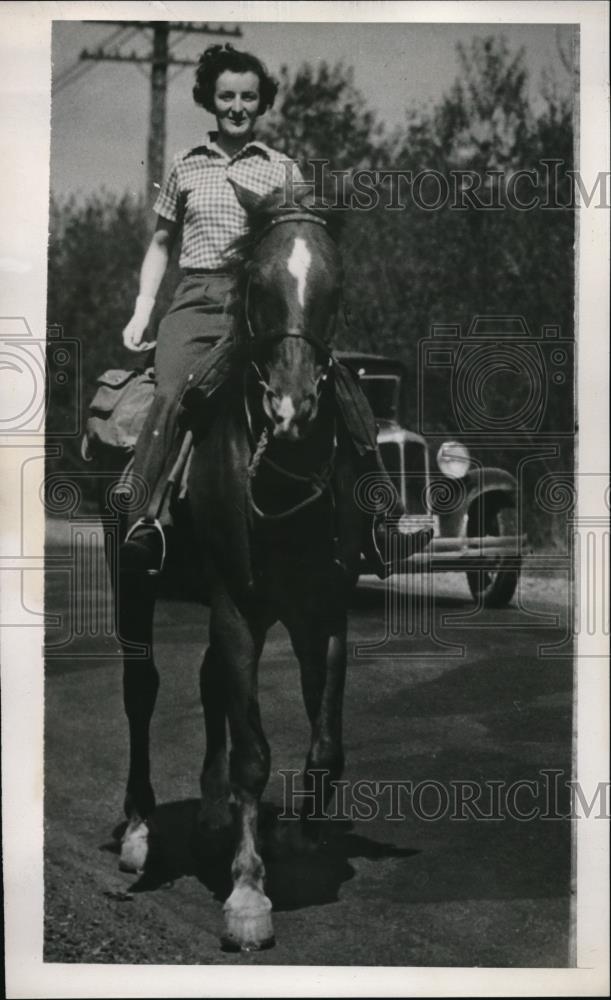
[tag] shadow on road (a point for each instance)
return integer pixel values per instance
(294, 879)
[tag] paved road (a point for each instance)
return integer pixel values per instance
(467, 697)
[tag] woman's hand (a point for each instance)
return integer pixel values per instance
(133, 334)
(153, 270)
(136, 328)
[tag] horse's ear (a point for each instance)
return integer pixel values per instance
(302, 195)
(328, 203)
(248, 199)
(329, 197)
(266, 204)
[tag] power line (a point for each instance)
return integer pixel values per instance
(159, 59)
(78, 70)
(57, 89)
(59, 80)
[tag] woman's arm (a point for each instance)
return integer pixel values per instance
(153, 269)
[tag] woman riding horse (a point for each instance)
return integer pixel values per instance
(271, 490)
(196, 344)
(272, 480)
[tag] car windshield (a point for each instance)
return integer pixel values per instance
(382, 391)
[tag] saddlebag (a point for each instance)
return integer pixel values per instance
(117, 412)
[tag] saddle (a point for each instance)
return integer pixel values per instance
(118, 411)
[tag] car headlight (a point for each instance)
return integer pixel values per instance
(453, 459)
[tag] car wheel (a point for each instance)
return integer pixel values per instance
(495, 588)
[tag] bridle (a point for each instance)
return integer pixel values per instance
(320, 481)
(292, 331)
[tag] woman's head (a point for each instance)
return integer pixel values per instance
(216, 74)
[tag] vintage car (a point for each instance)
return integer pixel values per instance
(472, 508)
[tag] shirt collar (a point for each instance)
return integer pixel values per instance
(210, 143)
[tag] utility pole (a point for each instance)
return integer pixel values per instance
(159, 59)
(159, 85)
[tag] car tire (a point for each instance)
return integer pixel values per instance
(495, 588)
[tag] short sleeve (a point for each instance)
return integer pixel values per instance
(168, 199)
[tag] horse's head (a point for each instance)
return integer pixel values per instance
(289, 297)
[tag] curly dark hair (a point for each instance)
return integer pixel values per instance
(215, 60)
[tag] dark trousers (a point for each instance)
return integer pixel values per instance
(197, 351)
(189, 335)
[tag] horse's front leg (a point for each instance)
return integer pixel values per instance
(320, 647)
(238, 638)
(135, 603)
(215, 815)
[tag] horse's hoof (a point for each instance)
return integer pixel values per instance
(134, 848)
(248, 921)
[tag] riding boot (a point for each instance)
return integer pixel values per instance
(144, 547)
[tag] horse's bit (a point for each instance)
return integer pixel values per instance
(319, 482)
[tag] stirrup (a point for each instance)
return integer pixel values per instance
(150, 523)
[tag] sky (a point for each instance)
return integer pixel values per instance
(100, 113)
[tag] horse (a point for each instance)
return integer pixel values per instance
(271, 494)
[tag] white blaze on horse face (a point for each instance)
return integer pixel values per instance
(281, 411)
(285, 410)
(298, 265)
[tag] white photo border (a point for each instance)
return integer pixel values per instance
(26, 77)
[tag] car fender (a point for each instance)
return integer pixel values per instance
(477, 483)
(488, 479)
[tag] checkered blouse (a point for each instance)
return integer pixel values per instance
(197, 194)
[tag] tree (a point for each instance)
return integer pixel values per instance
(406, 267)
(320, 114)
(95, 253)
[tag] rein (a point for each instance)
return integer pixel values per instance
(318, 481)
